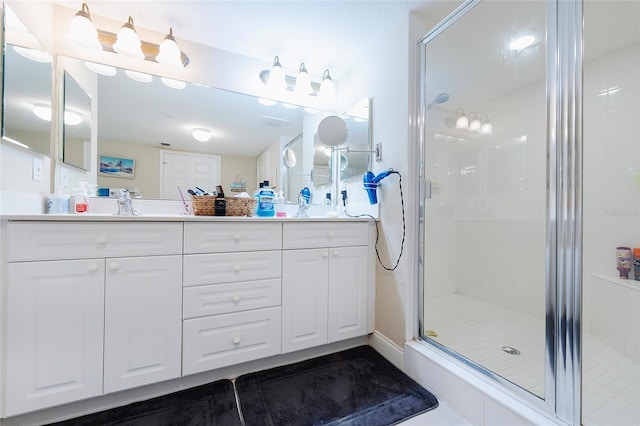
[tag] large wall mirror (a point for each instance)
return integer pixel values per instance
(27, 87)
(141, 116)
(76, 139)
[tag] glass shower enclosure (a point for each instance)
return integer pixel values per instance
(530, 167)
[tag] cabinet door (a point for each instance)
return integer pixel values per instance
(305, 278)
(347, 292)
(54, 326)
(143, 321)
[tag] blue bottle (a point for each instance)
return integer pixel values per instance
(266, 196)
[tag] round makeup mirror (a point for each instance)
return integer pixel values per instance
(332, 131)
(289, 156)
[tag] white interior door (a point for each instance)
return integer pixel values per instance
(187, 170)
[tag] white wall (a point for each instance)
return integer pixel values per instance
(611, 306)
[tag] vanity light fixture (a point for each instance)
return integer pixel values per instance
(101, 69)
(33, 54)
(139, 76)
(276, 79)
(201, 135)
(174, 84)
(127, 41)
(83, 31)
(303, 81)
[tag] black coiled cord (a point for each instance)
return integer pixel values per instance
(404, 227)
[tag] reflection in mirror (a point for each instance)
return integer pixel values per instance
(289, 157)
(77, 125)
(352, 164)
(139, 121)
(27, 88)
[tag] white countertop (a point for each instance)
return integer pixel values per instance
(88, 217)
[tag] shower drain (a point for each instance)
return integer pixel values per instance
(510, 350)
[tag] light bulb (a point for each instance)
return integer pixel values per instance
(276, 76)
(326, 87)
(462, 122)
(303, 81)
(82, 31)
(487, 127)
(127, 42)
(474, 123)
(170, 52)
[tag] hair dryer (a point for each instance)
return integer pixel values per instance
(370, 182)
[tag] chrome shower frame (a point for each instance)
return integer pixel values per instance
(563, 300)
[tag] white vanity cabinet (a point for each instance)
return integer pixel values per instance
(232, 282)
(324, 283)
(91, 307)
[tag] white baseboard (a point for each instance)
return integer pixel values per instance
(387, 348)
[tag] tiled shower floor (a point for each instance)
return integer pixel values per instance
(479, 330)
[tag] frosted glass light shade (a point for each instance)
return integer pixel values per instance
(170, 52)
(326, 87)
(303, 82)
(127, 42)
(82, 31)
(33, 54)
(139, 76)
(201, 135)
(276, 76)
(42, 111)
(72, 118)
(174, 84)
(462, 121)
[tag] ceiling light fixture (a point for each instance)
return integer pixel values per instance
(72, 118)
(43, 112)
(170, 52)
(101, 69)
(174, 84)
(33, 54)
(82, 30)
(201, 135)
(521, 43)
(127, 42)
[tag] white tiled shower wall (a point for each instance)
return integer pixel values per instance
(612, 197)
(486, 219)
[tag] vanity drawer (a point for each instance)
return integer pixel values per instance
(222, 340)
(324, 234)
(226, 298)
(225, 237)
(80, 240)
(220, 268)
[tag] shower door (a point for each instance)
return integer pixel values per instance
(484, 259)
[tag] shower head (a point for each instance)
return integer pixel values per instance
(440, 99)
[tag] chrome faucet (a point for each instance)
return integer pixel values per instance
(125, 208)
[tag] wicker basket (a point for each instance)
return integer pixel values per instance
(205, 205)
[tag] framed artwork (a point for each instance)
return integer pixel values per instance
(119, 167)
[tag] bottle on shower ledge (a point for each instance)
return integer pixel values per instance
(636, 263)
(624, 262)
